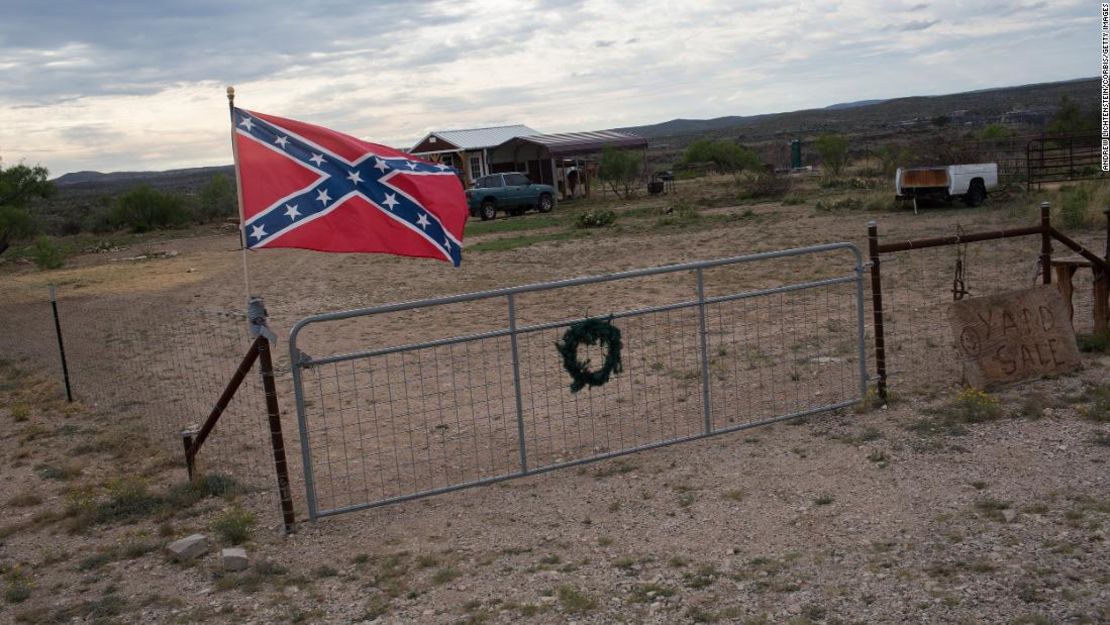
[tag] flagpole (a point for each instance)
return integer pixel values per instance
(239, 193)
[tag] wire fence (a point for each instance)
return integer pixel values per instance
(433, 401)
(918, 285)
(440, 413)
(157, 363)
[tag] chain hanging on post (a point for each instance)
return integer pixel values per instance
(959, 286)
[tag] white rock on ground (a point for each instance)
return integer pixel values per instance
(188, 548)
(234, 558)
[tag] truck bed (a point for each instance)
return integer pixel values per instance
(924, 177)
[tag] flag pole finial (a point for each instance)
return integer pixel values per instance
(231, 95)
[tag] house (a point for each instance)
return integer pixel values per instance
(467, 150)
(566, 161)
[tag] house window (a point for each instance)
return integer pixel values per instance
(476, 166)
(447, 159)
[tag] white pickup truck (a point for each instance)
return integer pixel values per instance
(967, 182)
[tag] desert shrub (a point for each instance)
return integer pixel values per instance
(727, 156)
(972, 405)
(1098, 343)
(595, 218)
(766, 184)
(19, 186)
(46, 254)
(1072, 119)
(217, 199)
(128, 500)
(892, 156)
(15, 223)
(995, 131)
(678, 213)
(854, 182)
(143, 209)
(880, 202)
(620, 169)
(839, 205)
(1074, 202)
(18, 586)
(574, 601)
(834, 152)
(234, 525)
(1099, 408)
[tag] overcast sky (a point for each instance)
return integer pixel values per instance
(139, 85)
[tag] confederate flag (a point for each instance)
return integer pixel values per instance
(310, 187)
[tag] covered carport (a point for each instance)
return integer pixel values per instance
(566, 161)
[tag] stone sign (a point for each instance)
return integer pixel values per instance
(1014, 336)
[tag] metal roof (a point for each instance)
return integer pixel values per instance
(583, 142)
(478, 138)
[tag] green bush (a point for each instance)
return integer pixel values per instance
(620, 169)
(596, 218)
(217, 199)
(16, 223)
(18, 586)
(727, 156)
(834, 152)
(234, 525)
(143, 209)
(128, 500)
(972, 405)
(1074, 202)
(995, 131)
(1099, 408)
(766, 184)
(678, 214)
(836, 206)
(45, 254)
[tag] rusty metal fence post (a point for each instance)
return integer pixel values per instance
(61, 344)
(259, 351)
(877, 307)
(266, 368)
(1046, 244)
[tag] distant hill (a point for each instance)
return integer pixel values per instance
(852, 105)
(171, 179)
(885, 117)
(972, 107)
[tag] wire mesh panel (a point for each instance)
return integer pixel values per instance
(918, 289)
(159, 365)
(783, 354)
(483, 396)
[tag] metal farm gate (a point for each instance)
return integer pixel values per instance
(1063, 159)
(481, 396)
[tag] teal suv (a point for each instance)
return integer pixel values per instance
(512, 193)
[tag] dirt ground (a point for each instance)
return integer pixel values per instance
(912, 512)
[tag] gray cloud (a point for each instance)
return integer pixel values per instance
(916, 25)
(391, 69)
(52, 51)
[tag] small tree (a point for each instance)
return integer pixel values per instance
(19, 185)
(834, 152)
(1071, 119)
(994, 132)
(727, 156)
(620, 169)
(217, 199)
(143, 208)
(892, 156)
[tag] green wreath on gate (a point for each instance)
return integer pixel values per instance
(599, 332)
